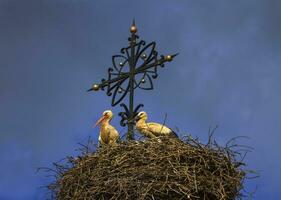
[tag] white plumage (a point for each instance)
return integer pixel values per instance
(108, 134)
(152, 129)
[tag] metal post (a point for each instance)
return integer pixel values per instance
(130, 135)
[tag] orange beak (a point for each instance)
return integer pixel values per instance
(99, 121)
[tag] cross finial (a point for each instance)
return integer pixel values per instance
(169, 58)
(133, 28)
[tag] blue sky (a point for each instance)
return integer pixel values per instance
(228, 73)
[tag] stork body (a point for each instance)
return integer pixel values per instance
(151, 129)
(108, 134)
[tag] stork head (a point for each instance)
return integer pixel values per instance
(106, 116)
(141, 115)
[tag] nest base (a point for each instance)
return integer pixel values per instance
(153, 169)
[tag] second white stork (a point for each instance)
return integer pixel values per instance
(152, 129)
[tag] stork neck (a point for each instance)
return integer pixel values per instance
(141, 121)
(105, 122)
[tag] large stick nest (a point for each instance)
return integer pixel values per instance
(164, 168)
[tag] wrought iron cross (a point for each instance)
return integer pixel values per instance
(135, 67)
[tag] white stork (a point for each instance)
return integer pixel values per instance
(151, 129)
(108, 134)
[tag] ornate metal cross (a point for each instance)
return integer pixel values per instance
(135, 67)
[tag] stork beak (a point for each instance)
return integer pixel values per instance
(99, 121)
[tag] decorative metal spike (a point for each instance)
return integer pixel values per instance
(174, 55)
(169, 58)
(143, 56)
(96, 87)
(133, 28)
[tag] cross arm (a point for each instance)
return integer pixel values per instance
(160, 61)
(103, 84)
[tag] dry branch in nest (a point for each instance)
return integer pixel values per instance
(152, 169)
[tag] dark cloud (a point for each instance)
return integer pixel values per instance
(227, 73)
